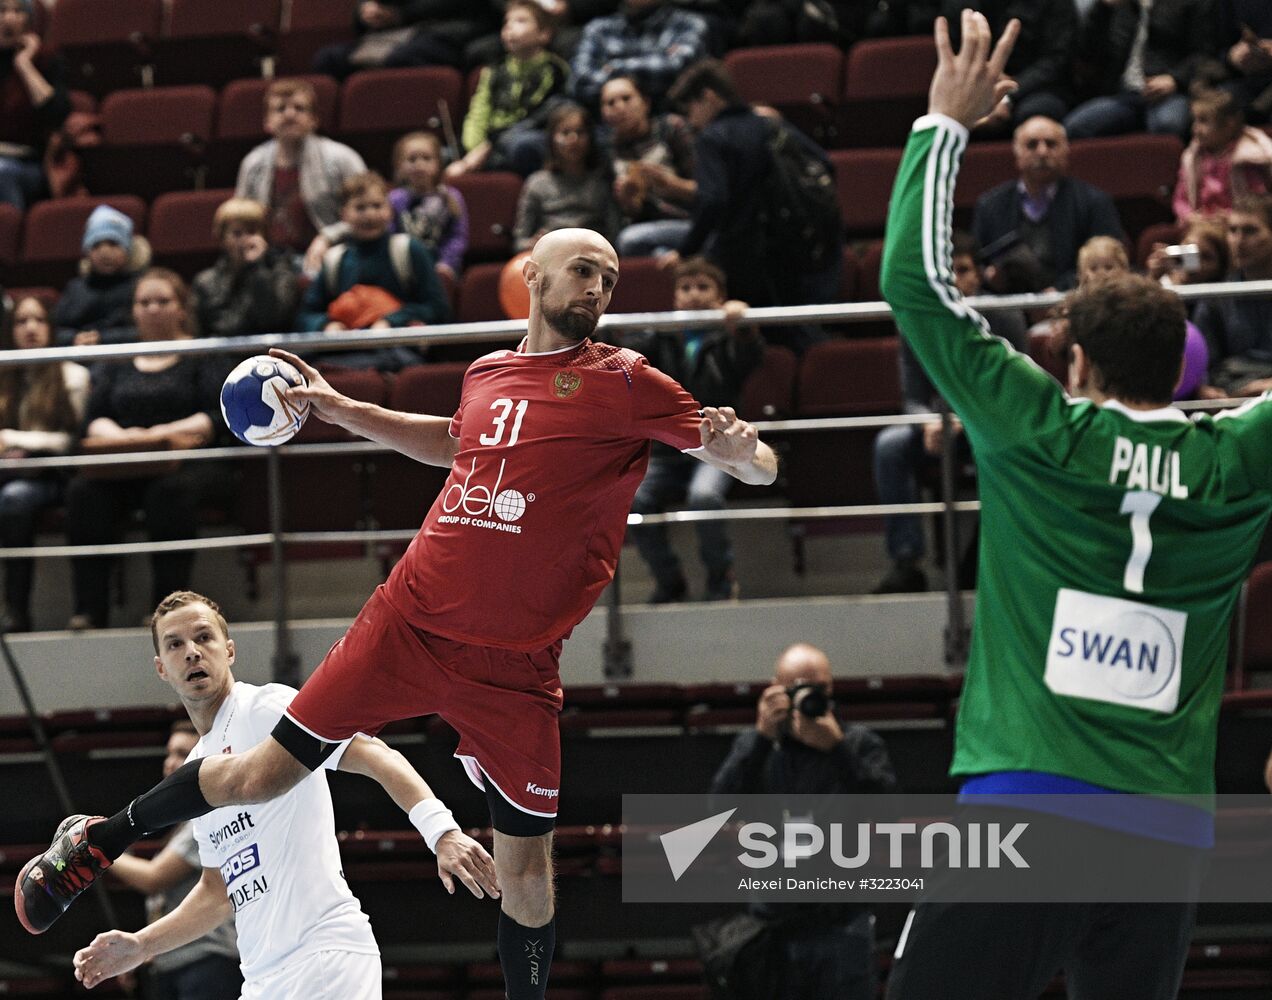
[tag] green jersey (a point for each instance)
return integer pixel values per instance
(1114, 542)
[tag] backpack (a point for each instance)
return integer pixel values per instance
(399, 255)
(800, 216)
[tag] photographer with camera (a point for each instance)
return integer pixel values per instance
(799, 747)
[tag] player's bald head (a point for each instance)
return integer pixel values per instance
(554, 249)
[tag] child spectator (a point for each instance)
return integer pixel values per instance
(96, 305)
(373, 280)
(251, 288)
(503, 129)
(653, 163)
(1226, 158)
(434, 213)
(1101, 256)
(33, 104)
(41, 407)
(297, 174)
(711, 364)
(572, 190)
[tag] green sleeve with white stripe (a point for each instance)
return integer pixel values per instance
(1002, 397)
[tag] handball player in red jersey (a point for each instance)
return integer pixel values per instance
(546, 450)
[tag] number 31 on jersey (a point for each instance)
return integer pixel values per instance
(504, 408)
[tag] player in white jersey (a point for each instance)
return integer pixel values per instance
(276, 864)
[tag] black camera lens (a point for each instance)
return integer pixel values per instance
(810, 700)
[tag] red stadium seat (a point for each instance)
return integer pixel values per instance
(769, 391)
(166, 129)
(843, 378)
(308, 25)
(864, 178)
(105, 53)
(44, 293)
(215, 41)
(10, 228)
(403, 489)
(985, 165)
(801, 81)
(642, 286)
(1142, 193)
(479, 294)
(1256, 639)
(54, 229)
(491, 198)
(240, 122)
(180, 229)
(885, 88)
(378, 105)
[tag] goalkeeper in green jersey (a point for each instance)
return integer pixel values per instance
(1100, 640)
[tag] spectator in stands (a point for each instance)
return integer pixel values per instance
(651, 39)
(395, 33)
(1030, 229)
(156, 402)
(374, 280)
(33, 104)
(297, 174)
(1041, 62)
(96, 305)
(1225, 159)
(1245, 34)
(712, 364)
(208, 967)
(252, 287)
(573, 189)
(1136, 62)
(1102, 257)
(799, 747)
(1210, 237)
(41, 407)
(904, 452)
(504, 126)
(651, 157)
(423, 207)
(732, 161)
(1239, 330)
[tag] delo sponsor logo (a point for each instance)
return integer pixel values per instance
(239, 864)
(547, 793)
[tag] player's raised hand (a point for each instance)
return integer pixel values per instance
(319, 394)
(461, 857)
(968, 85)
(727, 437)
(109, 954)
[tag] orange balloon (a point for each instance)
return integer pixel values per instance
(514, 296)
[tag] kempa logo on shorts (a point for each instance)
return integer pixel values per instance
(547, 793)
(976, 845)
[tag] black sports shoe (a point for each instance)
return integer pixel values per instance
(49, 883)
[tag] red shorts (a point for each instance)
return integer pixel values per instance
(503, 704)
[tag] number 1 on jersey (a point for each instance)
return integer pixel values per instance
(506, 407)
(1140, 504)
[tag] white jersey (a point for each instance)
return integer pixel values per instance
(279, 859)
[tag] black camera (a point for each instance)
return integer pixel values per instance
(809, 699)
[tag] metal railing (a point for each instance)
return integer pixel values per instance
(285, 666)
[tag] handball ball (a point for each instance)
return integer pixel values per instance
(252, 406)
(514, 296)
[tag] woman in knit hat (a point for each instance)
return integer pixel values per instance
(96, 305)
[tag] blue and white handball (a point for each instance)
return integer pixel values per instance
(252, 406)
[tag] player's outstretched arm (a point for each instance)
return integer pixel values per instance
(113, 953)
(458, 855)
(731, 444)
(416, 435)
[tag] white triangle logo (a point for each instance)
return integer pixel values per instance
(682, 846)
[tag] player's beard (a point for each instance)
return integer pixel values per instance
(568, 322)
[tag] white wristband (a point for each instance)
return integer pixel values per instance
(433, 820)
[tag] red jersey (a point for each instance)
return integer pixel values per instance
(526, 533)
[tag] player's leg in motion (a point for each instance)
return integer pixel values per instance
(527, 913)
(84, 846)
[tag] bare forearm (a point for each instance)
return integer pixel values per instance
(759, 471)
(202, 911)
(38, 89)
(416, 435)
